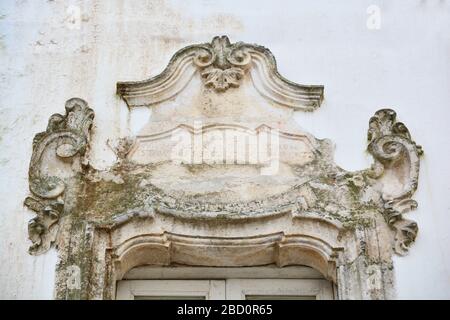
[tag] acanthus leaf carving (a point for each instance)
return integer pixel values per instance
(68, 135)
(405, 229)
(309, 203)
(394, 151)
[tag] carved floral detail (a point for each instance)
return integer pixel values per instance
(222, 64)
(68, 135)
(391, 145)
(43, 228)
(121, 147)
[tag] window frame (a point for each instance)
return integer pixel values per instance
(217, 283)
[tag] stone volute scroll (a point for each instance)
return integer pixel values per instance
(222, 176)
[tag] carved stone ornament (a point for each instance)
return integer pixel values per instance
(67, 136)
(221, 175)
(222, 66)
(394, 151)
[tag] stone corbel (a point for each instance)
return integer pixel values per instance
(396, 169)
(67, 137)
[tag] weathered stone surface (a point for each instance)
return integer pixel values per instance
(223, 202)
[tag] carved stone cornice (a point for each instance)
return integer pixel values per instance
(68, 136)
(222, 66)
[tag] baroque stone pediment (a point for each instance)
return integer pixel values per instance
(222, 66)
(220, 154)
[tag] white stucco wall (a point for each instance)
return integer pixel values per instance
(405, 64)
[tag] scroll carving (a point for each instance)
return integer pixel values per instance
(396, 155)
(222, 65)
(68, 136)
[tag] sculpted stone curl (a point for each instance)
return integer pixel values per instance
(68, 136)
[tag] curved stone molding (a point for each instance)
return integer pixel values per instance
(275, 87)
(396, 155)
(341, 255)
(222, 66)
(68, 136)
(279, 249)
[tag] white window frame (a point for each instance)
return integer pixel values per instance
(176, 289)
(223, 283)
